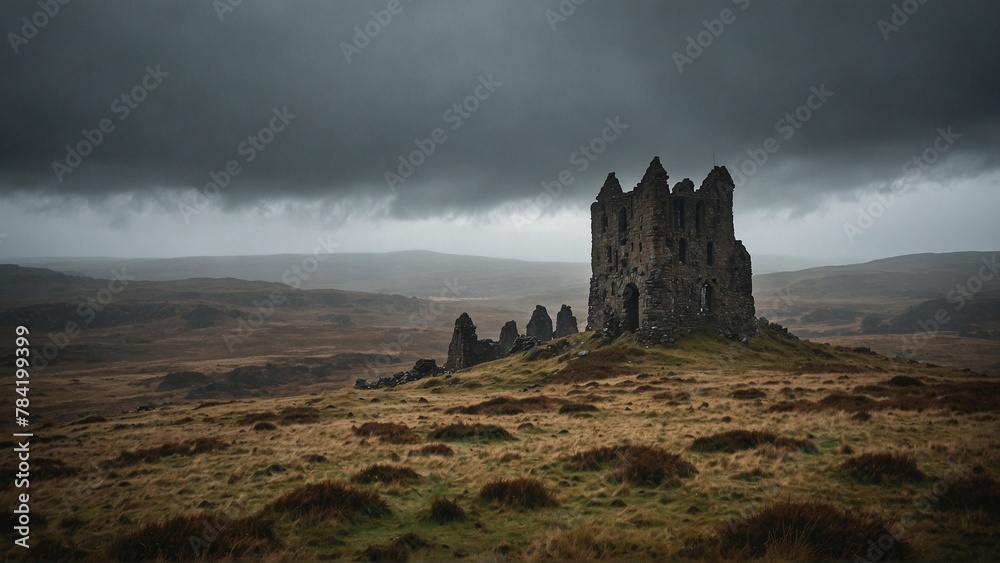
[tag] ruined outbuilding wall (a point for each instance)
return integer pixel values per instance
(665, 259)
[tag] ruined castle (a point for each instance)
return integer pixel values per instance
(664, 259)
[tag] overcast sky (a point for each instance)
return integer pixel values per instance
(317, 109)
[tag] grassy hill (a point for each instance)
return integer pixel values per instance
(588, 448)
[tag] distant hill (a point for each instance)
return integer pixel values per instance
(411, 273)
(894, 294)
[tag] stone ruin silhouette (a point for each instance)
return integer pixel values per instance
(665, 260)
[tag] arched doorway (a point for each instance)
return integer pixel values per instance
(631, 300)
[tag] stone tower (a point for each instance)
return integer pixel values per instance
(667, 259)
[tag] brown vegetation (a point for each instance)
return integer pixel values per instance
(876, 467)
(522, 493)
(443, 450)
(399, 549)
(749, 394)
(252, 417)
(299, 415)
(461, 431)
(388, 432)
(811, 531)
(965, 398)
(506, 406)
(736, 440)
(978, 492)
(148, 455)
(444, 510)
(572, 408)
(378, 473)
(331, 499)
(204, 536)
(638, 465)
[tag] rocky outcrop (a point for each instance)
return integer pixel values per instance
(565, 322)
(540, 325)
(508, 334)
(423, 368)
(466, 350)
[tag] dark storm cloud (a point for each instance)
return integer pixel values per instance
(550, 91)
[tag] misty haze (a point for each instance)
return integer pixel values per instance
(481, 280)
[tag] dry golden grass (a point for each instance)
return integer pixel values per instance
(598, 516)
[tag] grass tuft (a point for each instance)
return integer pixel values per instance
(638, 465)
(299, 415)
(505, 406)
(594, 540)
(443, 450)
(522, 493)
(904, 381)
(385, 474)
(748, 394)
(572, 408)
(810, 531)
(736, 440)
(875, 467)
(388, 432)
(480, 432)
(205, 536)
(979, 492)
(444, 511)
(331, 499)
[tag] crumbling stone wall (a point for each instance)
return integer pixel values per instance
(565, 322)
(540, 325)
(667, 259)
(466, 350)
(508, 335)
